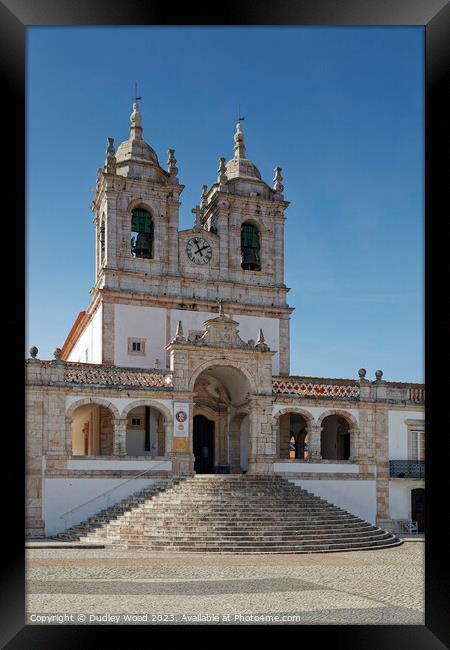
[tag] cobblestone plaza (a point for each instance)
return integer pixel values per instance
(104, 586)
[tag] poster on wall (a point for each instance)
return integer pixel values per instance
(181, 419)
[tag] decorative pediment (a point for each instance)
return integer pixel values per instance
(220, 332)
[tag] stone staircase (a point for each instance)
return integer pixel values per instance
(230, 514)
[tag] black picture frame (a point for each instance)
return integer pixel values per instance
(434, 16)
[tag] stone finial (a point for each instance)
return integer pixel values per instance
(239, 146)
(198, 218)
(362, 373)
(277, 182)
(110, 162)
(168, 380)
(136, 123)
(378, 375)
(57, 353)
(172, 166)
(179, 334)
(261, 344)
(220, 304)
(33, 352)
(204, 200)
(222, 171)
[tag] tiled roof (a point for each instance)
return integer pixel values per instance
(101, 375)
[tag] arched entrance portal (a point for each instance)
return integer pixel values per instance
(218, 440)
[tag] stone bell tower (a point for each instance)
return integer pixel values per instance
(150, 275)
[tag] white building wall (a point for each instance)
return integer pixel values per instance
(398, 432)
(357, 497)
(400, 497)
(63, 494)
(90, 340)
(141, 323)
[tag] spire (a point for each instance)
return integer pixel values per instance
(239, 146)
(136, 121)
(277, 182)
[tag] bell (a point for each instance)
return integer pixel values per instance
(250, 259)
(143, 246)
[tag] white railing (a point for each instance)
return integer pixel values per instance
(108, 492)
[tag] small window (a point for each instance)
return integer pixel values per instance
(418, 445)
(86, 355)
(135, 421)
(136, 346)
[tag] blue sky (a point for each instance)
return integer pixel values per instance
(339, 109)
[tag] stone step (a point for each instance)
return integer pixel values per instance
(231, 513)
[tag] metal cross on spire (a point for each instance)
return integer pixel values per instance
(136, 98)
(240, 117)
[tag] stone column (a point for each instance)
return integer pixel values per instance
(354, 444)
(120, 437)
(382, 465)
(314, 432)
(172, 241)
(262, 442)
(68, 442)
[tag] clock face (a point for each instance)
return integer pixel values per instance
(199, 250)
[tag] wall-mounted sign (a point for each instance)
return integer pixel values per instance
(181, 420)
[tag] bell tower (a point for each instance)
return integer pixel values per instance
(150, 275)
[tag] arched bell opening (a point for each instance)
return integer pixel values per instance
(250, 247)
(142, 233)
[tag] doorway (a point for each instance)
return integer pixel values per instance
(203, 445)
(418, 508)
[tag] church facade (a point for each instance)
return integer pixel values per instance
(180, 363)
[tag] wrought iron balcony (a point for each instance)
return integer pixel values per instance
(407, 469)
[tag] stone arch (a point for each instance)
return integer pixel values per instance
(276, 425)
(141, 203)
(245, 372)
(90, 401)
(148, 402)
(166, 430)
(353, 431)
(93, 400)
(294, 409)
(352, 422)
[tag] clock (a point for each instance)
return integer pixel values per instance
(199, 250)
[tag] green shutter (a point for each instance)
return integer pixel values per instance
(249, 236)
(141, 221)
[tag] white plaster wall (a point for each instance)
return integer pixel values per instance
(136, 437)
(398, 432)
(357, 497)
(90, 339)
(248, 327)
(316, 468)
(62, 494)
(400, 497)
(142, 323)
